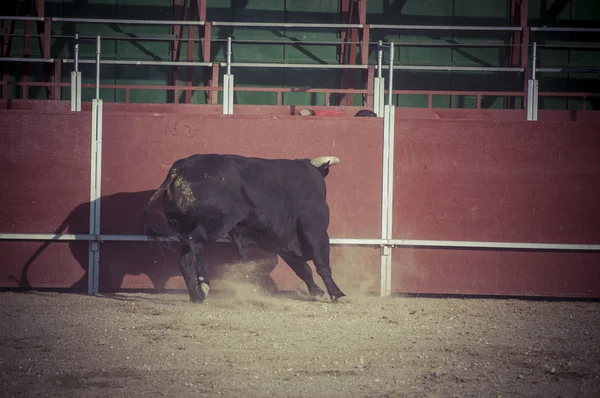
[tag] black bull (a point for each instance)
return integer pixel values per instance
(278, 205)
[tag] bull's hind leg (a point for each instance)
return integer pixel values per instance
(191, 264)
(318, 241)
(302, 269)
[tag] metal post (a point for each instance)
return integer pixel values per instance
(95, 181)
(229, 55)
(98, 45)
(387, 200)
(391, 74)
(228, 83)
(379, 58)
(76, 52)
(76, 80)
(378, 101)
(532, 88)
(388, 182)
(534, 60)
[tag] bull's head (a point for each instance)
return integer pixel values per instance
(323, 163)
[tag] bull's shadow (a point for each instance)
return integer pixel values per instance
(121, 214)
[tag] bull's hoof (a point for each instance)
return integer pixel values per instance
(196, 300)
(204, 288)
(200, 293)
(316, 292)
(343, 299)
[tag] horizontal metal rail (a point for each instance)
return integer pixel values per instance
(140, 62)
(51, 237)
(16, 18)
(568, 70)
(461, 93)
(299, 66)
(303, 90)
(560, 29)
(288, 41)
(27, 59)
(494, 245)
(127, 21)
(455, 68)
(334, 241)
(447, 27)
(285, 25)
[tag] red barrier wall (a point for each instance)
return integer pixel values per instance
(454, 180)
(497, 181)
(44, 178)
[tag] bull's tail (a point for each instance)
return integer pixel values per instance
(173, 174)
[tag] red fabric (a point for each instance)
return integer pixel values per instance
(318, 112)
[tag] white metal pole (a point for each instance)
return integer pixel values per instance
(229, 55)
(228, 83)
(534, 61)
(378, 101)
(532, 88)
(76, 52)
(93, 245)
(95, 181)
(76, 79)
(391, 73)
(379, 58)
(98, 44)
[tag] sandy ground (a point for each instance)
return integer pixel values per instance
(243, 344)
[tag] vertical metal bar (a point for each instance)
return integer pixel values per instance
(535, 100)
(98, 49)
(93, 247)
(385, 249)
(78, 95)
(391, 74)
(73, 91)
(379, 57)
(95, 195)
(384, 186)
(76, 52)
(229, 55)
(534, 61)
(99, 115)
(390, 189)
(231, 85)
(387, 282)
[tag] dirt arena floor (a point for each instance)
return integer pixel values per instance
(243, 344)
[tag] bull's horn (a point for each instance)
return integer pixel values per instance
(321, 160)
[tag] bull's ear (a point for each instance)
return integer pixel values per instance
(324, 168)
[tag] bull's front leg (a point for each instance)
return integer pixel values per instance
(192, 268)
(318, 240)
